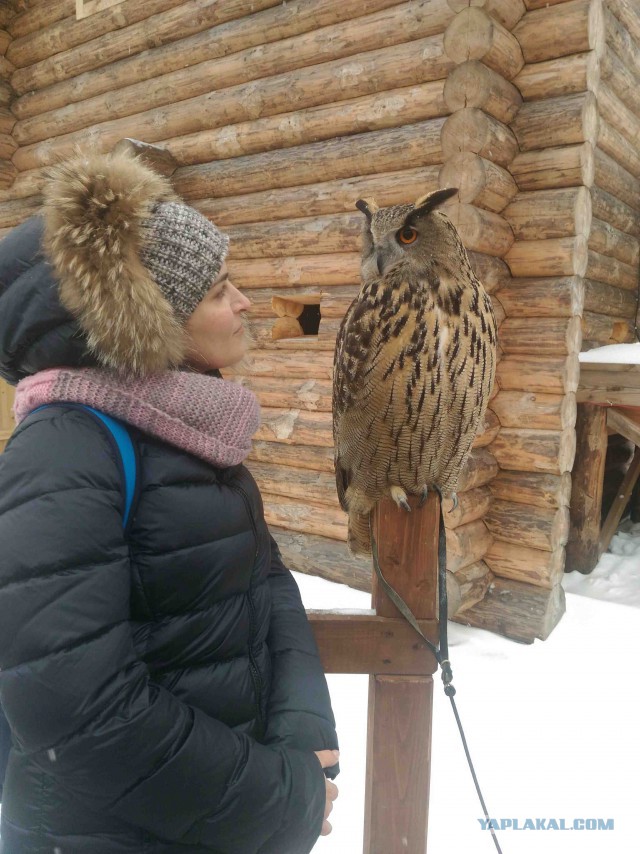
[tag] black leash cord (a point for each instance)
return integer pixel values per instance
(441, 653)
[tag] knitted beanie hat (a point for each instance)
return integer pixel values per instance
(131, 258)
(184, 253)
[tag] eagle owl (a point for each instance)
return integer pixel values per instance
(414, 362)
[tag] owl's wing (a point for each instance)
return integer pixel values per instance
(357, 344)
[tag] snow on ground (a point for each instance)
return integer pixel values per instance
(625, 354)
(552, 727)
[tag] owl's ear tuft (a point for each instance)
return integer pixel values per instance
(425, 204)
(368, 207)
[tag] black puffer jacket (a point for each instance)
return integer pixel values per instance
(163, 688)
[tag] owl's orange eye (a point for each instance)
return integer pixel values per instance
(407, 235)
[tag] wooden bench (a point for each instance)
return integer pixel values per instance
(608, 402)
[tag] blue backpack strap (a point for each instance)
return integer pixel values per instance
(125, 447)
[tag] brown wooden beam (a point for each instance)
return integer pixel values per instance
(367, 643)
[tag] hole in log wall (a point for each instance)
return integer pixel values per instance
(296, 317)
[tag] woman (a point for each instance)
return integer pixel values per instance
(162, 683)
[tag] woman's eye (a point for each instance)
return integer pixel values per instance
(407, 234)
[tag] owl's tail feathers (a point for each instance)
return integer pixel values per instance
(358, 538)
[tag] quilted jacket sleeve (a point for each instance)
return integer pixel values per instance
(77, 697)
(299, 713)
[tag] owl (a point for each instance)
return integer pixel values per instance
(414, 363)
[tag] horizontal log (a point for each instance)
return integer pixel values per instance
(308, 235)
(480, 230)
(520, 449)
(7, 146)
(565, 256)
(567, 166)
(543, 297)
(521, 563)
(305, 517)
(6, 93)
(549, 374)
(522, 612)
(13, 213)
(608, 240)
(388, 188)
(492, 272)
(480, 181)
(290, 393)
(361, 154)
(619, 39)
(58, 37)
(615, 113)
(379, 111)
(183, 21)
(604, 268)
(473, 130)
(601, 298)
(272, 24)
(560, 30)
(422, 61)
(473, 84)
(553, 78)
(618, 147)
(8, 173)
(472, 505)
(312, 457)
(547, 336)
(471, 584)
(315, 270)
(323, 557)
(5, 41)
(479, 469)
(300, 484)
(537, 410)
(507, 12)
(330, 43)
(616, 180)
(28, 19)
(467, 544)
(293, 427)
(628, 14)
(548, 214)
(7, 120)
(474, 34)
(600, 330)
(614, 211)
(487, 430)
(523, 524)
(6, 68)
(539, 490)
(623, 80)
(304, 366)
(271, 334)
(557, 121)
(366, 643)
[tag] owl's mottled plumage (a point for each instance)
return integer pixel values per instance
(414, 362)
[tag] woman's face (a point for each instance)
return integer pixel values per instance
(216, 329)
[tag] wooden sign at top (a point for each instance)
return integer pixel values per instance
(84, 8)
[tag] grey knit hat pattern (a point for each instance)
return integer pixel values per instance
(184, 253)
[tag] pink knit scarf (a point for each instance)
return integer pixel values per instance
(211, 418)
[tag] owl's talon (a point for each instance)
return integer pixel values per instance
(400, 497)
(423, 495)
(454, 498)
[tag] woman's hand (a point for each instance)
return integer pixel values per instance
(328, 758)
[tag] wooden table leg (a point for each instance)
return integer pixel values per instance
(400, 707)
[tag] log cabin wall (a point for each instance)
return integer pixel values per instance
(280, 116)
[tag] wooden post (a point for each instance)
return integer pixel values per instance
(586, 495)
(400, 706)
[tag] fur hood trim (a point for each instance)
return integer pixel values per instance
(96, 210)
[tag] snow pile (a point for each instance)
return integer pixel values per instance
(621, 354)
(552, 727)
